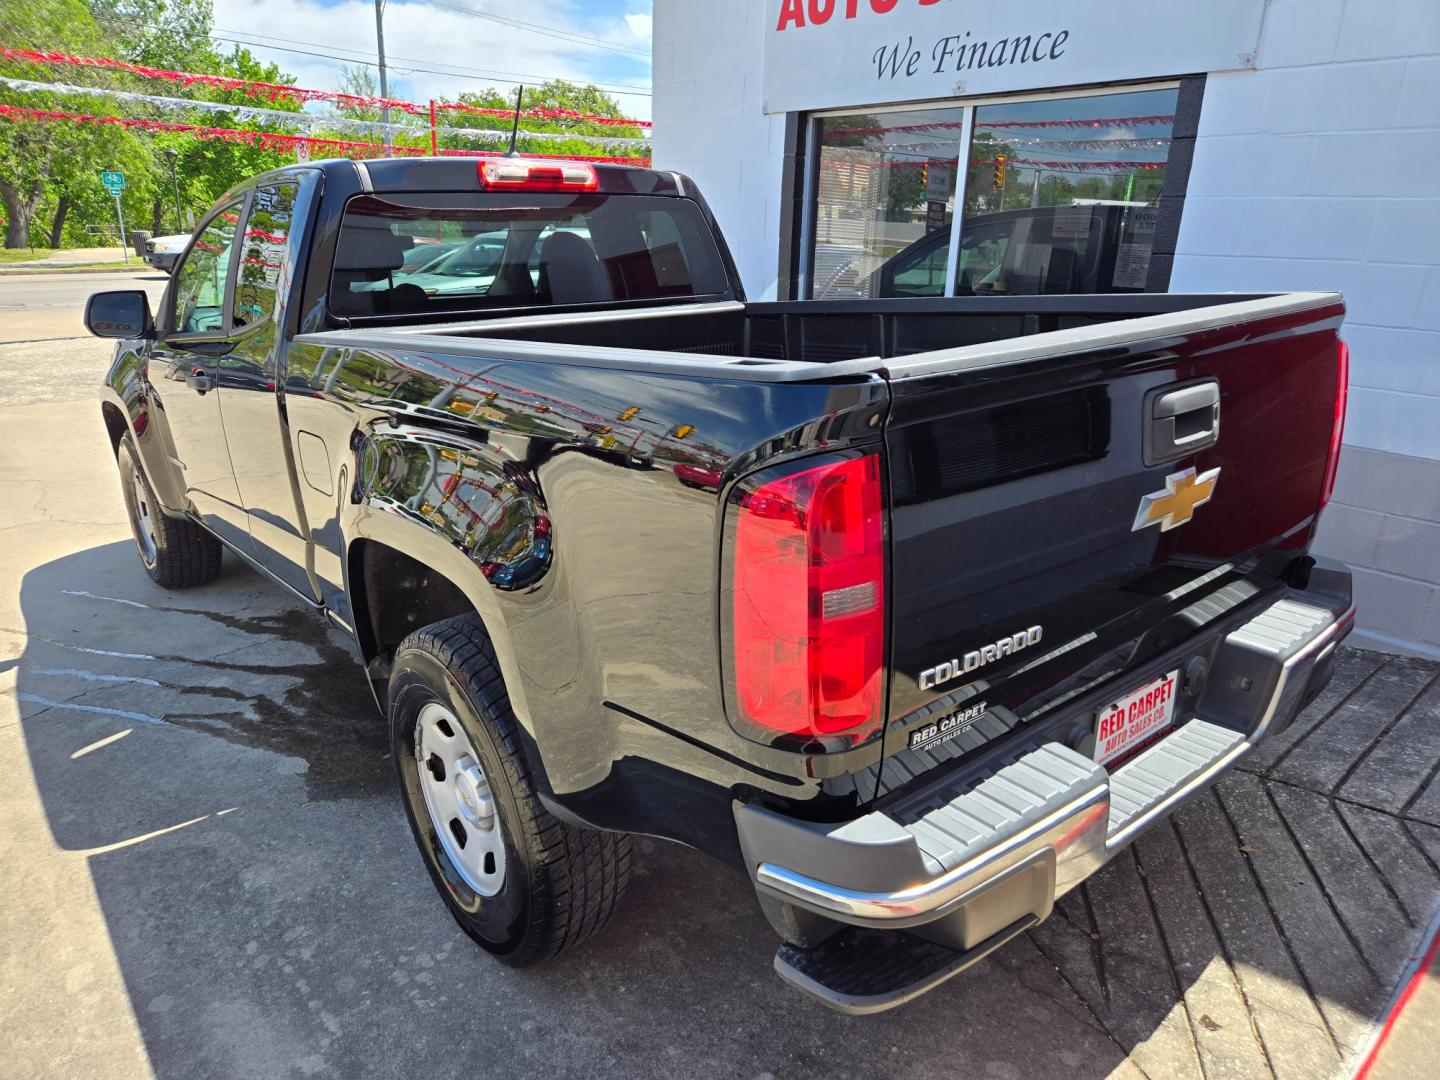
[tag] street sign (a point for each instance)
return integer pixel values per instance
(115, 184)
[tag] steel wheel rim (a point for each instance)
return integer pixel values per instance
(144, 516)
(458, 800)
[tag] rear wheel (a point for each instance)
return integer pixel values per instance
(523, 884)
(175, 553)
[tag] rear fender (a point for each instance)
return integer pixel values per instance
(453, 506)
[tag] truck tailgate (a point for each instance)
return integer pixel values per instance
(1058, 501)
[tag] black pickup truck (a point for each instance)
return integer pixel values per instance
(915, 611)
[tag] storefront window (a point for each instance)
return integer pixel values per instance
(885, 184)
(1061, 196)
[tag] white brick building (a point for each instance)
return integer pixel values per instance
(1311, 162)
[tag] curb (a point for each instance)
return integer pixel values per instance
(24, 271)
(1422, 963)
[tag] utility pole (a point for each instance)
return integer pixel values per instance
(173, 155)
(384, 84)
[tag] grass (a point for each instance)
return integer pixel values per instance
(10, 256)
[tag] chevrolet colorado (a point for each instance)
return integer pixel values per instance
(915, 611)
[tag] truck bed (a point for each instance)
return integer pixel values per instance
(806, 340)
(1011, 432)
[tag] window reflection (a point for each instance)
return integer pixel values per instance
(200, 278)
(886, 181)
(1061, 196)
(266, 233)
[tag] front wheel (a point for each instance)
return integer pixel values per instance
(175, 553)
(523, 884)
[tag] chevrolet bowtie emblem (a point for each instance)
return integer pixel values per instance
(1184, 491)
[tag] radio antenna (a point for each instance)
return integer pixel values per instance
(515, 124)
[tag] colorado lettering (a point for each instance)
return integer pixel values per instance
(977, 658)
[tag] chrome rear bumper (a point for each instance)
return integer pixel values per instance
(1003, 851)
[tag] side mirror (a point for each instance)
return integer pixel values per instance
(123, 313)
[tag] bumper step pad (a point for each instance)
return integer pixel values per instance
(1143, 787)
(862, 971)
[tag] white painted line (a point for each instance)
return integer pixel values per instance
(100, 652)
(112, 599)
(35, 699)
(94, 676)
(118, 845)
(98, 743)
(77, 648)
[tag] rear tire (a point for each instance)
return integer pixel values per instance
(176, 553)
(534, 887)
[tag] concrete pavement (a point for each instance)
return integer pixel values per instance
(206, 872)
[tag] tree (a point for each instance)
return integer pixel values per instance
(555, 94)
(171, 34)
(49, 171)
(29, 149)
(209, 168)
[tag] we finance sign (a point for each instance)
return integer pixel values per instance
(822, 54)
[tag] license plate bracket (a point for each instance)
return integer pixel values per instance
(1125, 723)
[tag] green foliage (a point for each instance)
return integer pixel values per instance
(49, 171)
(555, 94)
(158, 33)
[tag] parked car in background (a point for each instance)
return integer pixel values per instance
(161, 252)
(427, 252)
(1086, 247)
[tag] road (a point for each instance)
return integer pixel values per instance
(45, 353)
(206, 872)
(47, 305)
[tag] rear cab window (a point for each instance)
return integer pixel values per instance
(422, 253)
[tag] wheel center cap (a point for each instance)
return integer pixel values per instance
(472, 792)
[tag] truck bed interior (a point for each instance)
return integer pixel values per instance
(829, 332)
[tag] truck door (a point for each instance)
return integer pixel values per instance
(185, 373)
(251, 405)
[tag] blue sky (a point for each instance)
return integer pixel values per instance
(436, 49)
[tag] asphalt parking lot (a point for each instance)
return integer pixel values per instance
(206, 873)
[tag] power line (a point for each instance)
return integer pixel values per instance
(485, 75)
(539, 28)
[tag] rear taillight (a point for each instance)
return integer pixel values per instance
(1337, 428)
(808, 615)
(521, 174)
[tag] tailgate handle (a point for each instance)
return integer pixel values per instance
(1181, 420)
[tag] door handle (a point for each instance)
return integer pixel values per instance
(1181, 420)
(200, 380)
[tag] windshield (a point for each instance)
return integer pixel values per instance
(416, 254)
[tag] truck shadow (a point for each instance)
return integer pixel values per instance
(270, 915)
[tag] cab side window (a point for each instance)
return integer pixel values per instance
(923, 274)
(262, 255)
(201, 276)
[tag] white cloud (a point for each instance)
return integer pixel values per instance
(421, 34)
(641, 26)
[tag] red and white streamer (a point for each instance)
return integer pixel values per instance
(281, 92)
(956, 125)
(247, 113)
(275, 140)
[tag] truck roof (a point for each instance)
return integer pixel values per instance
(460, 174)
